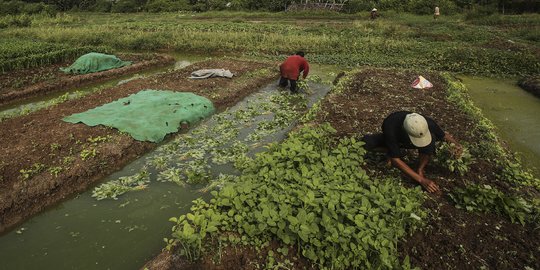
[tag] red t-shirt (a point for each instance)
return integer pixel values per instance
(292, 67)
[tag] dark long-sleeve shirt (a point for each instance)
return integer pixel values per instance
(395, 136)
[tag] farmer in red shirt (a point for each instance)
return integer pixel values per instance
(291, 68)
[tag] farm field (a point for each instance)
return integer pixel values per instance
(39, 81)
(280, 181)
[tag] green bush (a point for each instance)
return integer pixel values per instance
(102, 6)
(425, 7)
(15, 7)
(362, 6)
(125, 6)
(478, 11)
(167, 5)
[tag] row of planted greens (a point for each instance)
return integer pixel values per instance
(17, 53)
(405, 41)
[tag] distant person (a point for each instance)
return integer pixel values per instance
(374, 14)
(291, 68)
(437, 13)
(403, 129)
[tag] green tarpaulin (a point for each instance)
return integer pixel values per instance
(148, 115)
(95, 62)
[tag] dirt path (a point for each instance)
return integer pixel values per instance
(453, 238)
(27, 83)
(45, 160)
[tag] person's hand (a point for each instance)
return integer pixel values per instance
(430, 186)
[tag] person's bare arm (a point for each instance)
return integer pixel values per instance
(423, 161)
(429, 185)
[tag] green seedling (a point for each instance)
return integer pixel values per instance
(35, 169)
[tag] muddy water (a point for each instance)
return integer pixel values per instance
(515, 113)
(83, 233)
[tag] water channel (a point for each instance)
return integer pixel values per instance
(84, 233)
(514, 111)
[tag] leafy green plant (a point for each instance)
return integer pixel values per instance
(55, 171)
(36, 168)
(98, 139)
(309, 191)
(67, 160)
(88, 153)
(196, 172)
(302, 84)
(446, 158)
(115, 188)
(55, 146)
(515, 173)
(485, 198)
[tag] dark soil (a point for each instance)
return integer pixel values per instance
(453, 238)
(531, 84)
(43, 144)
(26, 83)
(229, 257)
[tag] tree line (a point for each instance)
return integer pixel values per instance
(349, 6)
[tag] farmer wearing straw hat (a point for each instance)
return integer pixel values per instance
(374, 14)
(403, 129)
(437, 13)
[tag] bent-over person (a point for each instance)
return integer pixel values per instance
(408, 130)
(291, 68)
